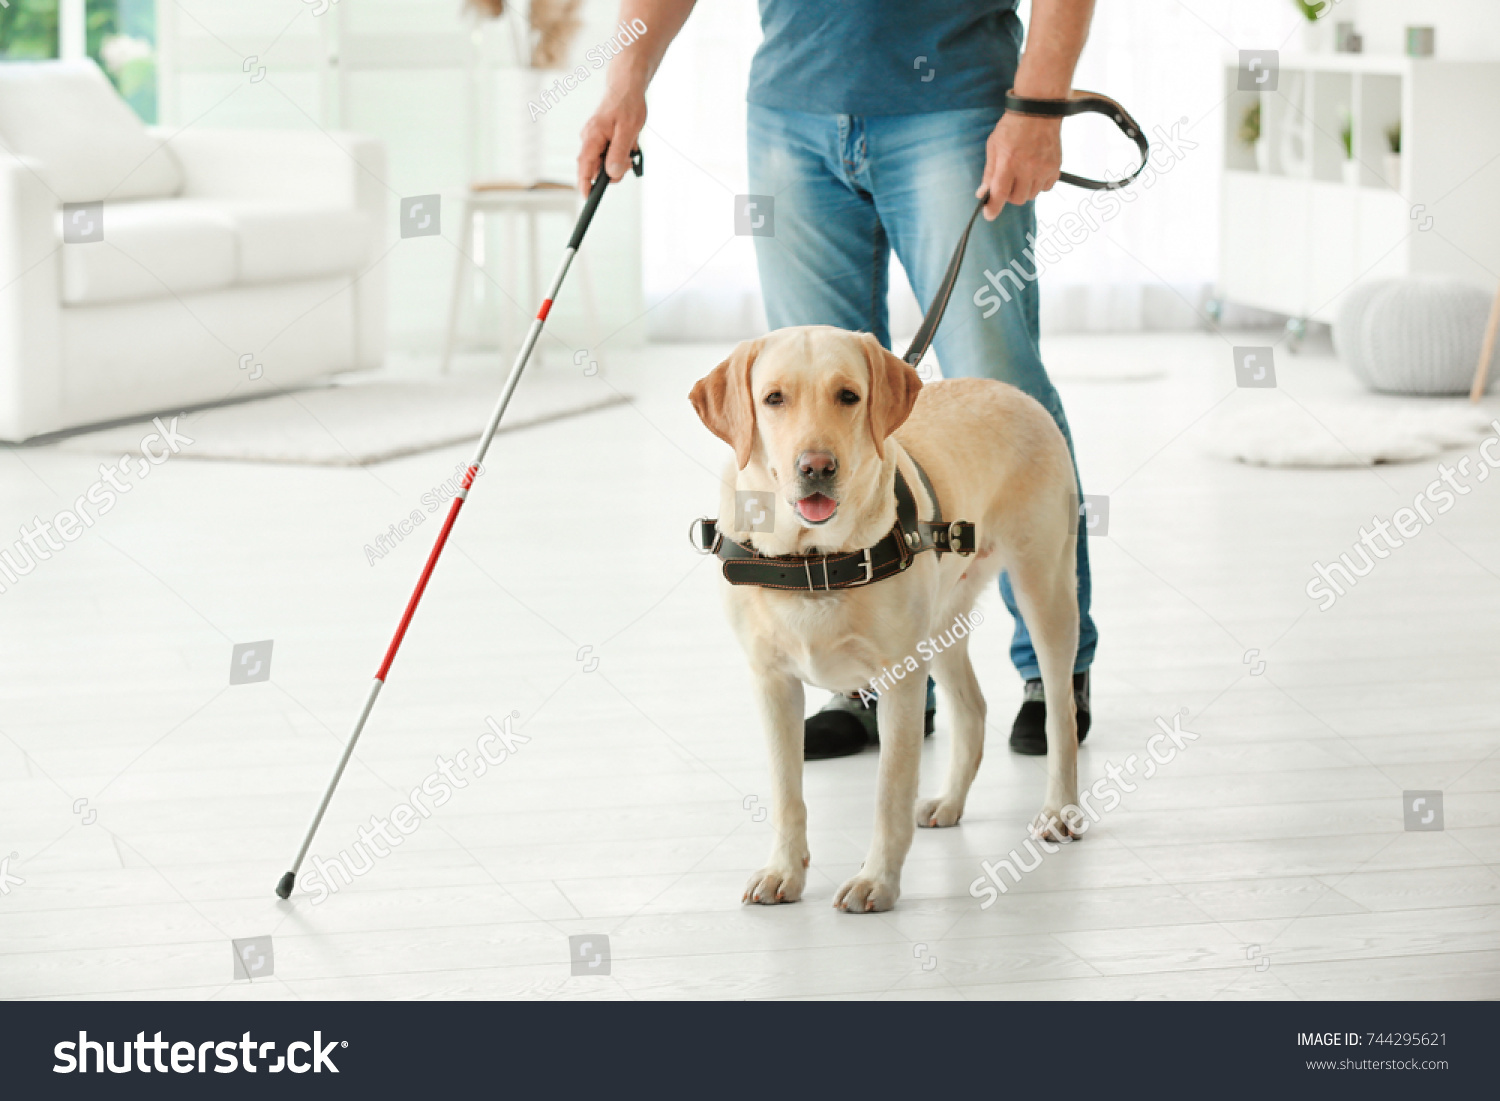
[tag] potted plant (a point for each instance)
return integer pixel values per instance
(1315, 36)
(1393, 158)
(1250, 136)
(1346, 139)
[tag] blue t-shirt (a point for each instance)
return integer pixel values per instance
(885, 57)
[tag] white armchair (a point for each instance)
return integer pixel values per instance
(230, 261)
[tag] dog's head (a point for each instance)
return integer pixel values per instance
(814, 406)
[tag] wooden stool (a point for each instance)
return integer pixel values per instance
(529, 202)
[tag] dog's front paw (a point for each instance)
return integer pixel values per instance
(939, 812)
(1054, 825)
(866, 895)
(775, 884)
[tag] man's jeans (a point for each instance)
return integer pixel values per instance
(848, 189)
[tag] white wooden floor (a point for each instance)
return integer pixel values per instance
(631, 813)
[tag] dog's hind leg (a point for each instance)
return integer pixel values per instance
(1047, 596)
(785, 873)
(954, 672)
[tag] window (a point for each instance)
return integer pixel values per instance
(119, 34)
(121, 37)
(28, 30)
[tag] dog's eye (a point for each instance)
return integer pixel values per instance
(848, 397)
(773, 398)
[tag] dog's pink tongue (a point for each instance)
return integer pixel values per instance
(817, 507)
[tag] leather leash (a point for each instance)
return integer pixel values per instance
(1078, 102)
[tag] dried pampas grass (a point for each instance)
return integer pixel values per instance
(554, 24)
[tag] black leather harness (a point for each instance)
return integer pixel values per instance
(816, 573)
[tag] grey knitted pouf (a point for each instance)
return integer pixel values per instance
(1417, 335)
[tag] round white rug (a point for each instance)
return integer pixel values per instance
(1360, 432)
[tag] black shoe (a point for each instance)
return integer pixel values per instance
(845, 726)
(1029, 733)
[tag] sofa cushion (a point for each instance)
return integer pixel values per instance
(151, 249)
(156, 247)
(88, 144)
(279, 242)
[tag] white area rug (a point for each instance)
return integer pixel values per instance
(1355, 431)
(364, 422)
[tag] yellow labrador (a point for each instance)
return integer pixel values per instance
(824, 418)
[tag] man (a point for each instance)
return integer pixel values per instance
(870, 123)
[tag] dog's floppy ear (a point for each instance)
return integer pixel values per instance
(723, 402)
(894, 385)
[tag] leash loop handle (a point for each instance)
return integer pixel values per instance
(1080, 102)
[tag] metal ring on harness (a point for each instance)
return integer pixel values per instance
(695, 536)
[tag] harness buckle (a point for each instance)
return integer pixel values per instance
(869, 567)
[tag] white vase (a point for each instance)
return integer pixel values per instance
(1393, 170)
(533, 128)
(1317, 36)
(1263, 156)
(1351, 173)
(1294, 159)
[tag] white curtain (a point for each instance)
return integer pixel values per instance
(1150, 266)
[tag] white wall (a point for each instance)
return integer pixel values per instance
(1152, 266)
(1466, 30)
(439, 89)
(415, 80)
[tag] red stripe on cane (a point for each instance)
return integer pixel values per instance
(541, 314)
(416, 596)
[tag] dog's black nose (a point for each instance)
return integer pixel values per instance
(817, 464)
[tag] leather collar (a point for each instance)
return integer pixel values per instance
(908, 537)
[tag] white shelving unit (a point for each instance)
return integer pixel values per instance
(1294, 236)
